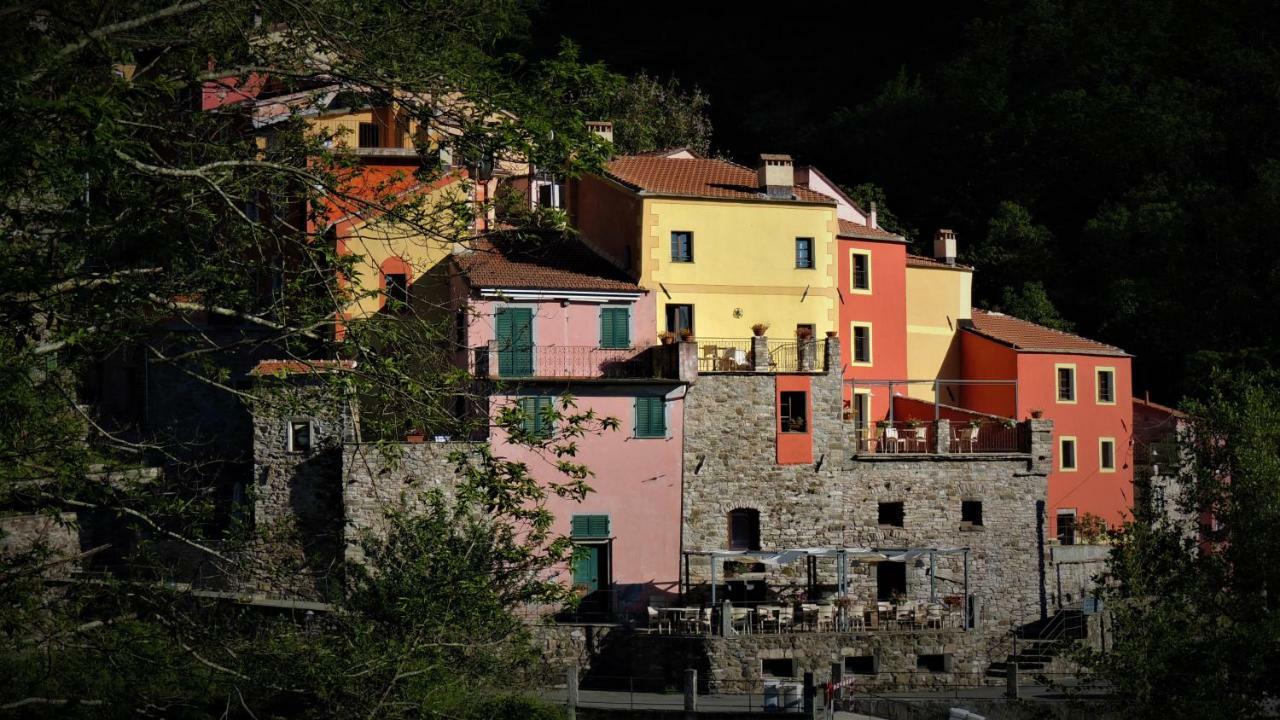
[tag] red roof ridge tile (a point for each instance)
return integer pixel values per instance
(268, 368)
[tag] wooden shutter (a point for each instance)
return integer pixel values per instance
(615, 327)
(589, 526)
(651, 420)
(514, 333)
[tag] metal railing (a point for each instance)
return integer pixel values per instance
(773, 618)
(920, 436)
(718, 355)
(574, 361)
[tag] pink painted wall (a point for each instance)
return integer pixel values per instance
(573, 324)
(637, 483)
(885, 308)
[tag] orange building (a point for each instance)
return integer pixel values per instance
(1084, 386)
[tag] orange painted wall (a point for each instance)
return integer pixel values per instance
(1087, 489)
(983, 359)
(794, 448)
(608, 218)
(885, 309)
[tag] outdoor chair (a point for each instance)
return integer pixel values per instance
(920, 616)
(657, 621)
(704, 621)
(920, 438)
(933, 615)
(857, 617)
(786, 618)
(809, 615)
(740, 619)
(967, 436)
(904, 615)
(889, 440)
(826, 618)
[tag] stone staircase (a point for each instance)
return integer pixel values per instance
(1036, 644)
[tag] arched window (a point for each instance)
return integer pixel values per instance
(744, 529)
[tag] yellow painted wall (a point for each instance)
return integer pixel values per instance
(395, 132)
(381, 239)
(937, 299)
(744, 258)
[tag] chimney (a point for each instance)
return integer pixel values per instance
(603, 128)
(871, 221)
(777, 176)
(944, 246)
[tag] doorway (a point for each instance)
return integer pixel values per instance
(891, 580)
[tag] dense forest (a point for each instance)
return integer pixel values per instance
(1113, 168)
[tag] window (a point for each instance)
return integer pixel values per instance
(804, 252)
(679, 317)
(744, 529)
(369, 136)
(550, 195)
(1066, 383)
(1067, 453)
(861, 344)
(1106, 386)
(1107, 454)
(931, 663)
(535, 411)
(1067, 527)
(397, 287)
(615, 327)
(971, 512)
(793, 411)
(860, 665)
(778, 667)
(681, 246)
(860, 271)
(589, 526)
(651, 417)
(891, 514)
(891, 580)
(300, 436)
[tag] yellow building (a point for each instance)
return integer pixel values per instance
(723, 246)
(939, 295)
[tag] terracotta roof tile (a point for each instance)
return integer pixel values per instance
(1030, 337)
(698, 177)
(516, 260)
(849, 228)
(924, 262)
(268, 368)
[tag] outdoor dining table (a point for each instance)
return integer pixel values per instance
(682, 617)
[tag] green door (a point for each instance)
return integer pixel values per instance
(586, 568)
(514, 327)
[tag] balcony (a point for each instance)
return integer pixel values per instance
(576, 362)
(937, 437)
(758, 354)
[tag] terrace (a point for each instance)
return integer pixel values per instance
(758, 354)
(913, 425)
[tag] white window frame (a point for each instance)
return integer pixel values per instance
(288, 435)
(853, 344)
(852, 287)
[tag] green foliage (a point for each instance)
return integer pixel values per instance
(1031, 302)
(1195, 609)
(867, 193)
(142, 237)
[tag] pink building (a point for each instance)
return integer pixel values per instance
(541, 317)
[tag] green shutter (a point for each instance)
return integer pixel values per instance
(589, 526)
(514, 332)
(651, 420)
(535, 410)
(615, 327)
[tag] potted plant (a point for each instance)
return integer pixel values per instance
(415, 436)
(848, 411)
(1037, 413)
(975, 423)
(915, 423)
(666, 337)
(686, 335)
(1009, 423)
(759, 329)
(831, 333)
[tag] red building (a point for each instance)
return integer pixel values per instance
(1084, 386)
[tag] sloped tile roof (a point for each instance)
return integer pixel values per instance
(522, 260)
(925, 262)
(268, 368)
(698, 177)
(1029, 337)
(852, 229)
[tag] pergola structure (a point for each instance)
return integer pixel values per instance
(842, 556)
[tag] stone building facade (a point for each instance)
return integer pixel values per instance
(834, 501)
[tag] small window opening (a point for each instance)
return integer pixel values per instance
(300, 436)
(971, 512)
(931, 663)
(860, 665)
(891, 513)
(778, 667)
(794, 411)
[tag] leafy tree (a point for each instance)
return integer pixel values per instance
(867, 193)
(1196, 628)
(1031, 302)
(136, 224)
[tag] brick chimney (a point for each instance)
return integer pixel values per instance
(944, 246)
(777, 175)
(603, 128)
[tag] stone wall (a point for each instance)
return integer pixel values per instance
(730, 463)
(377, 478)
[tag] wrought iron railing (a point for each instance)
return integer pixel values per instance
(725, 355)
(718, 355)
(574, 361)
(920, 436)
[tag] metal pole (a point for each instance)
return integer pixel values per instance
(690, 690)
(1015, 399)
(713, 581)
(966, 589)
(937, 411)
(890, 404)
(933, 575)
